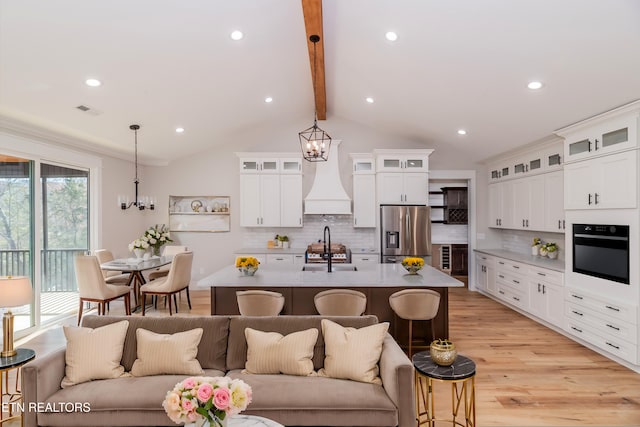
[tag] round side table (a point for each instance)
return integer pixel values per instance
(22, 356)
(461, 375)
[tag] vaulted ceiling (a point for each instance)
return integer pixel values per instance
(456, 64)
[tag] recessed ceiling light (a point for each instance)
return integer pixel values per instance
(391, 36)
(93, 82)
(268, 100)
(534, 85)
(179, 130)
(369, 100)
(462, 132)
(237, 35)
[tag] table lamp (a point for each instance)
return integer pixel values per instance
(15, 291)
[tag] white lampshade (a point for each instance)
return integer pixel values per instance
(15, 291)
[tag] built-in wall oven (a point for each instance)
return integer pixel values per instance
(602, 251)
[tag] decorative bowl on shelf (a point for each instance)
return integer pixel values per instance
(413, 264)
(443, 352)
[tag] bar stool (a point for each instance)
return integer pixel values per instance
(340, 302)
(415, 304)
(259, 303)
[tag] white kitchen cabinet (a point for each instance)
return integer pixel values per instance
(259, 200)
(486, 273)
(258, 165)
(554, 202)
(402, 188)
(546, 295)
(291, 200)
(290, 165)
(605, 182)
(501, 205)
(299, 259)
(279, 259)
(403, 162)
(364, 200)
(552, 158)
(604, 137)
(363, 163)
(528, 203)
(365, 261)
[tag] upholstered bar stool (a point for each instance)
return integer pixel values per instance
(415, 304)
(340, 302)
(259, 303)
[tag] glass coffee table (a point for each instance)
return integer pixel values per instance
(251, 421)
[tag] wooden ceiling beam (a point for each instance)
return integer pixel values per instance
(312, 10)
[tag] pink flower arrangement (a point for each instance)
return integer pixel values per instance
(211, 398)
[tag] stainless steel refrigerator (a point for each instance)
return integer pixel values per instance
(405, 231)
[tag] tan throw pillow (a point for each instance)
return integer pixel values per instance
(352, 354)
(160, 354)
(272, 353)
(94, 354)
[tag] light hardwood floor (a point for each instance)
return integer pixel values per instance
(527, 374)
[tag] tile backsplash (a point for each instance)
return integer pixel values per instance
(520, 241)
(342, 231)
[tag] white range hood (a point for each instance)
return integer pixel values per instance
(327, 195)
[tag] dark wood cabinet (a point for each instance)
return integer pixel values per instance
(455, 205)
(459, 260)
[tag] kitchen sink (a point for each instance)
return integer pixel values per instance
(334, 267)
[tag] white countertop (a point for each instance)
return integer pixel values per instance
(379, 276)
(537, 261)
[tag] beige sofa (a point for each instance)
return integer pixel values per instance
(289, 400)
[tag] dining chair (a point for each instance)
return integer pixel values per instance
(111, 277)
(169, 250)
(340, 302)
(259, 303)
(415, 304)
(93, 288)
(173, 283)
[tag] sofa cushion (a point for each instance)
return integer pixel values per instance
(167, 353)
(237, 348)
(312, 401)
(126, 401)
(273, 353)
(213, 345)
(351, 353)
(94, 354)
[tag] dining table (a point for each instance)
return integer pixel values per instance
(135, 267)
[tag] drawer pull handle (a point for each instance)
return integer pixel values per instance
(576, 296)
(576, 329)
(578, 313)
(501, 292)
(500, 262)
(613, 308)
(615, 328)
(613, 345)
(542, 274)
(501, 276)
(515, 281)
(516, 298)
(515, 266)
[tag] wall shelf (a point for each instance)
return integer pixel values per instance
(199, 213)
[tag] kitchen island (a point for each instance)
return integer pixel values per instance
(299, 287)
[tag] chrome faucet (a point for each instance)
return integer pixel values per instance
(327, 232)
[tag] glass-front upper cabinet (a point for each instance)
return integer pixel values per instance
(403, 162)
(292, 165)
(363, 163)
(610, 137)
(259, 165)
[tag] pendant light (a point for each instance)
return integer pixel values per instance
(314, 142)
(141, 202)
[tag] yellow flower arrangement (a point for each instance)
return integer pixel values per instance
(413, 262)
(246, 261)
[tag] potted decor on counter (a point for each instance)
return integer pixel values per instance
(282, 241)
(552, 250)
(535, 247)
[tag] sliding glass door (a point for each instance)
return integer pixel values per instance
(57, 234)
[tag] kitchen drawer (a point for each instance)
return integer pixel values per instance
(608, 327)
(279, 258)
(610, 309)
(362, 258)
(549, 276)
(516, 281)
(511, 266)
(298, 259)
(511, 295)
(613, 345)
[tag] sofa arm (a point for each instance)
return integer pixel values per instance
(40, 379)
(397, 374)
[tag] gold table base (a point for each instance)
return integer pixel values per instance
(463, 393)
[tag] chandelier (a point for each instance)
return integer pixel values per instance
(314, 142)
(139, 201)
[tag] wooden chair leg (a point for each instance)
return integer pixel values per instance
(410, 337)
(80, 312)
(188, 298)
(169, 298)
(127, 304)
(108, 307)
(175, 302)
(144, 302)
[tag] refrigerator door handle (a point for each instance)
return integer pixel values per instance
(407, 229)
